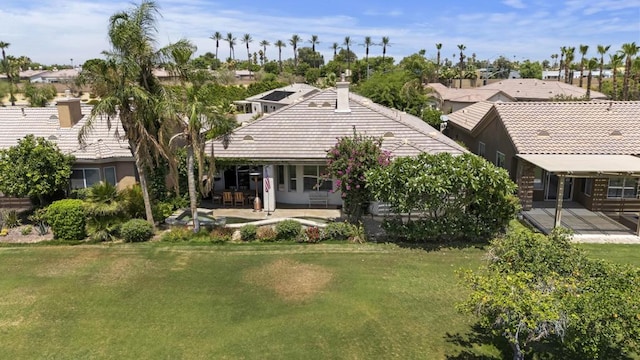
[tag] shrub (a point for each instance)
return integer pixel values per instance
(312, 234)
(288, 230)
(39, 220)
(26, 230)
(162, 210)
(248, 232)
(67, 219)
(10, 218)
(266, 234)
(4, 231)
(177, 234)
(221, 234)
(338, 231)
(136, 230)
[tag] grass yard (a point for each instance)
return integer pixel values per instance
(266, 301)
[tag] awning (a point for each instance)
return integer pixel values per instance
(575, 165)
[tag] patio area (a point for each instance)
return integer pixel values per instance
(588, 226)
(281, 211)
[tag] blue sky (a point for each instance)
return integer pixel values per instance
(54, 31)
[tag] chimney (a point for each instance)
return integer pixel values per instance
(342, 88)
(69, 112)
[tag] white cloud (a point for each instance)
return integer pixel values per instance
(518, 4)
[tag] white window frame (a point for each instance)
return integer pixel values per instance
(588, 187)
(623, 188)
(482, 149)
(84, 177)
(293, 178)
(320, 184)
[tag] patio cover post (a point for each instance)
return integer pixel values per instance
(638, 226)
(559, 197)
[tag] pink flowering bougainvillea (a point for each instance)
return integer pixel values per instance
(347, 162)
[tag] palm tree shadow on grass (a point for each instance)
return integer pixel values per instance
(469, 344)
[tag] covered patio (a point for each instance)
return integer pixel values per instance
(577, 218)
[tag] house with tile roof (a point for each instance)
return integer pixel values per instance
(272, 100)
(105, 156)
(291, 143)
(587, 152)
(540, 90)
(454, 99)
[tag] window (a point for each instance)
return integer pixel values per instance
(481, 149)
(500, 159)
(84, 178)
(110, 175)
(587, 185)
(537, 179)
(620, 188)
(293, 185)
(313, 178)
(280, 177)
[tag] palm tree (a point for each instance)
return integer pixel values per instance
(131, 91)
(347, 42)
(461, 47)
(367, 44)
(314, 41)
(7, 70)
(247, 39)
(192, 116)
(568, 60)
(591, 65)
(294, 41)
(280, 44)
(615, 61)
(217, 36)
(602, 49)
(385, 44)
(335, 47)
(264, 44)
(583, 53)
(438, 47)
(629, 50)
(563, 51)
(232, 42)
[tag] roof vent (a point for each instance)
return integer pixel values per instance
(52, 137)
(388, 134)
(313, 104)
(327, 104)
(53, 117)
(247, 138)
(616, 134)
(543, 134)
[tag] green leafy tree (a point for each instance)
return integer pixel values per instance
(34, 167)
(105, 210)
(6, 65)
(39, 96)
(348, 161)
(531, 70)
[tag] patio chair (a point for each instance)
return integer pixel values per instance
(227, 198)
(238, 198)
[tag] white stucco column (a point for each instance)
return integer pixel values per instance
(268, 188)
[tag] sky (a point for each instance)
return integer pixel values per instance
(55, 31)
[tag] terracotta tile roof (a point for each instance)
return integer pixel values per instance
(539, 90)
(307, 129)
(600, 127)
(43, 122)
(465, 95)
(470, 116)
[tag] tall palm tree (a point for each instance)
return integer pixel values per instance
(462, 48)
(591, 65)
(385, 44)
(247, 39)
(217, 36)
(629, 50)
(192, 116)
(438, 47)
(264, 44)
(335, 47)
(294, 41)
(280, 44)
(7, 70)
(232, 42)
(568, 62)
(347, 42)
(131, 91)
(615, 61)
(602, 50)
(314, 41)
(583, 53)
(563, 52)
(367, 44)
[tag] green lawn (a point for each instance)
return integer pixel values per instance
(266, 301)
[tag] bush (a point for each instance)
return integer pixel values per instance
(221, 234)
(26, 230)
(162, 210)
(248, 232)
(338, 231)
(67, 219)
(313, 234)
(10, 218)
(266, 234)
(177, 234)
(136, 230)
(288, 230)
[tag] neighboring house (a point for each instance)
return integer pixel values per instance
(454, 99)
(586, 152)
(103, 158)
(272, 100)
(291, 144)
(540, 90)
(55, 76)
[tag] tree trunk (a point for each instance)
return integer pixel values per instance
(589, 85)
(517, 352)
(193, 198)
(142, 174)
(615, 84)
